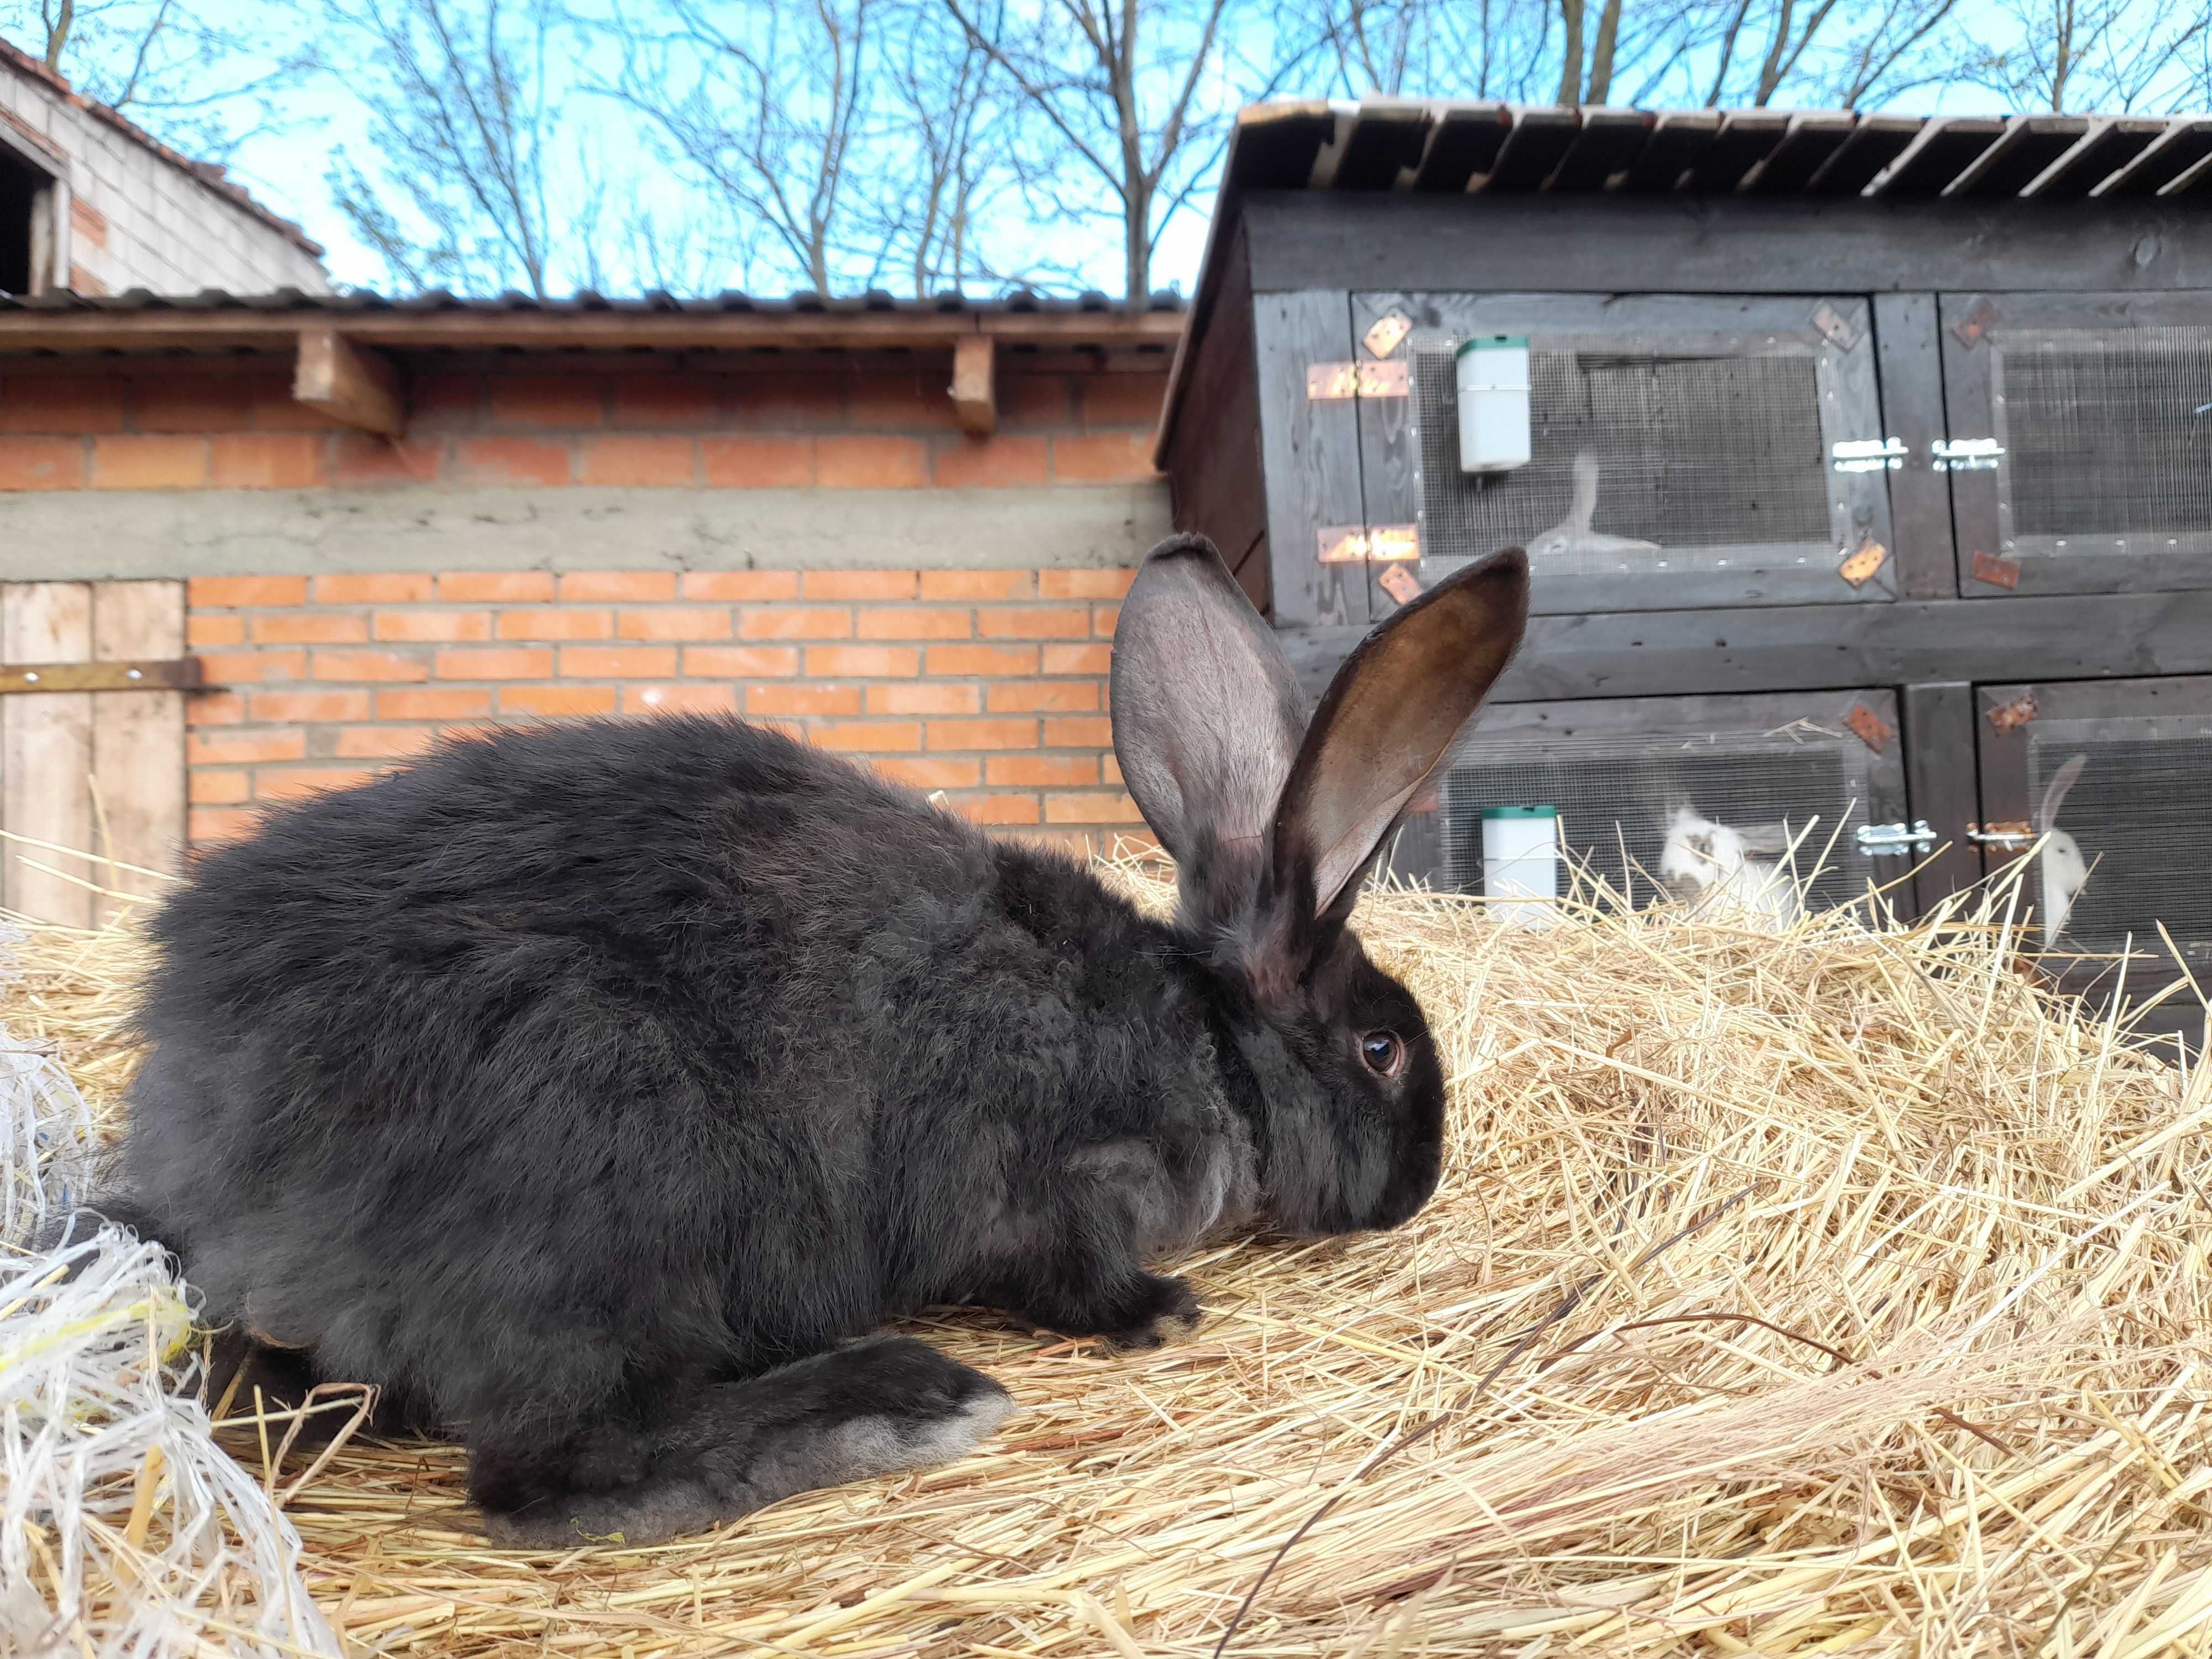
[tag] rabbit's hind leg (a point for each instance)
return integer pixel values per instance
(872, 1408)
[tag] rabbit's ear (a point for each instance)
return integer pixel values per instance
(1387, 724)
(2054, 794)
(1207, 716)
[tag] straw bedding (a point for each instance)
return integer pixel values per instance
(1832, 1292)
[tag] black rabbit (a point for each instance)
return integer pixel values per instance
(592, 1088)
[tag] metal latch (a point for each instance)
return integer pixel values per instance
(1966, 454)
(1868, 454)
(1890, 839)
(2007, 837)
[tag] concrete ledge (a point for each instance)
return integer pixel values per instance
(95, 535)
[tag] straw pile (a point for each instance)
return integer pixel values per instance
(1830, 1291)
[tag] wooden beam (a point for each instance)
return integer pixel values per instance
(47, 765)
(112, 673)
(138, 742)
(358, 387)
(974, 386)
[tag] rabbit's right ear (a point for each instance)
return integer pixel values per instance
(1207, 719)
(2054, 795)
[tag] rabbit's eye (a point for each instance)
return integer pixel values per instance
(1384, 1054)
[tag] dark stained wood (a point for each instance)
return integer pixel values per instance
(1310, 455)
(1746, 137)
(2029, 146)
(1389, 452)
(1275, 145)
(1939, 764)
(1383, 142)
(1212, 455)
(1540, 137)
(1945, 149)
(1910, 360)
(1609, 143)
(2182, 149)
(1876, 142)
(1465, 142)
(2101, 155)
(1620, 243)
(1675, 145)
(1811, 142)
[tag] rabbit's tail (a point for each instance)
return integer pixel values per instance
(872, 1409)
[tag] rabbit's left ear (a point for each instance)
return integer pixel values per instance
(2054, 796)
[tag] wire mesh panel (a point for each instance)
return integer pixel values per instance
(1682, 452)
(2135, 818)
(1630, 776)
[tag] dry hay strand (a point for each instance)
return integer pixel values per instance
(1831, 1290)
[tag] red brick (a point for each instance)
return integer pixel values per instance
(900, 400)
(229, 591)
(855, 463)
(793, 623)
(384, 742)
(311, 708)
(1085, 584)
(548, 400)
(1110, 768)
(693, 699)
(677, 622)
(1104, 620)
(874, 662)
(247, 667)
(496, 663)
(212, 708)
(933, 772)
(858, 584)
(435, 702)
(740, 662)
(982, 660)
(41, 464)
(803, 700)
(1103, 458)
(1078, 658)
(434, 627)
(62, 404)
(445, 403)
(1000, 462)
(1044, 697)
(139, 463)
(362, 458)
(1034, 622)
(267, 460)
(495, 586)
(294, 781)
(553, 700)
(631, 462)
(794, 399)
(205, 826)
(245, 748)
(201, 630)
(369, 666)
(557, 622)
(396, 587)
(511, 460)
(205, 787)
(619, 587)
(679, 400)
(756, 463)
(868, 736)
(1029, 402)
(977, 584)
(982, 734)
(311, 627)
(924, 697)
(618, 662)
(188, 402)
(1124, 400)
(740, 585)
(995, 809)
(914, 622)
(1095, 807)
(1041, 771)
(1078, 732)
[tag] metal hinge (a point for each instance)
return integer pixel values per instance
(177, 674)
(1890, 839)
(2009, 837)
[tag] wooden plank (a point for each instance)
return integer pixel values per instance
(1945, 149)
(1540, 138)
(44, 776)
(1309, 456)
(2104, 153)
(1909, 354)
(2028, 147)
(1389, 452)
(1212, 454)
(1627, 244)
(974, 386)
(1941, 778)
(1878, 141)
(1676, 144)
(1811, 141)
(1383, 141)
(1274, 145)
(1609, 143)
(1746, 137)
(335, 378)
(1464, 145)
(137, 741)
(2184, 146)
(134, 674)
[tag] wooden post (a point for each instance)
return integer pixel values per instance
(349, 384)
(137, 741)
(44, 788)
(975, 393)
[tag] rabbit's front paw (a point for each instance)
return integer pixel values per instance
(1158, 1311)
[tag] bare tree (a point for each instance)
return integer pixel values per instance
(1438, 48)
(2085, 54)
(943, 86)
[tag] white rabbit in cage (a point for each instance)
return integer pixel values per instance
(1727, 867)
(1574, 534)
(2065, 871)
